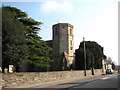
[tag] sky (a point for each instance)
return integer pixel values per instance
(96, 20)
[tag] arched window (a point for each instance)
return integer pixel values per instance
(56, 31)
(70, 42)
(63, 28)
(71, 45)
(70, 31)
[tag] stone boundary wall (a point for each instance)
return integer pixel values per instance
(11, 80)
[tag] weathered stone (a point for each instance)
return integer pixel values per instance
(19, 79)
(63, 46)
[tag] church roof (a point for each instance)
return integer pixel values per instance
(49, 43)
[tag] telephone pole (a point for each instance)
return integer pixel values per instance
(84, 57)
(92, 67)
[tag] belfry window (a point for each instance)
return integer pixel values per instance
(63, 27)
(71, 48)
(70, 31)
(71, 45)
(71, 42)
(56, 31)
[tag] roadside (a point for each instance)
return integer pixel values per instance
(77, 82)
(52, 83)
(49, 83)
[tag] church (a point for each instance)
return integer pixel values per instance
(63, 47)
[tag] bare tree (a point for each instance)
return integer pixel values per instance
(109, 59)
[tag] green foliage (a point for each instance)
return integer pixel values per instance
(104, 57)
(38, 49)
(79, 57)
(16, 13)
(21, 44)
(14, 47)
(35, 66)
(94, 55)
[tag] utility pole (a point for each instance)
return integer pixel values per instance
(92, 65)
(84, 57)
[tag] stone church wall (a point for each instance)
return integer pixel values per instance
(12, 80)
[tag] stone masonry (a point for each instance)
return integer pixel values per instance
(63, 46)
(23, 79)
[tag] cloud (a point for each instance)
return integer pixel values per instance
(50, 6)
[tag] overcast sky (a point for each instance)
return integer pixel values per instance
(96, 20)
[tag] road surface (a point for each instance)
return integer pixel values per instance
(103, 81)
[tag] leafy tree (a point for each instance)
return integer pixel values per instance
(79, 60)
(21, 42)
(94, 55)
(14, 48)
(109, 59)
(38, 49)
(104, 57)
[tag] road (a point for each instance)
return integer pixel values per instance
(110, 81)
(103, 81)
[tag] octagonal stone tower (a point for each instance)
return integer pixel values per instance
(63, 46)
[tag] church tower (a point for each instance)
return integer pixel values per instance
(63, 46)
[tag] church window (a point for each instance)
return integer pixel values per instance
(70, 31)
(71, 42)
(71, 48)
(63, 27)
(71, 45)
(56, 31)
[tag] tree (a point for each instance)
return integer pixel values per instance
(38, 49)
(109, 59)
(79, 57)
(21, 41)
(104, 57)
(94, 55)
(14, 48)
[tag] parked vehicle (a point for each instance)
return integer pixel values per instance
(109, 71)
